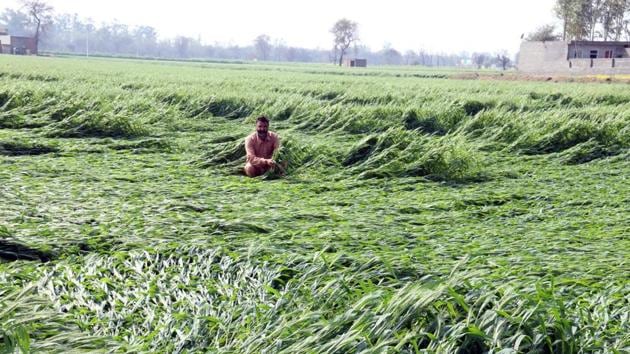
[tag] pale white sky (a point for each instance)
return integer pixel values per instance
(449, 26)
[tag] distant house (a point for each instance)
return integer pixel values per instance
(5, 41)
(17, 44)
(575, 57)
(361, 63)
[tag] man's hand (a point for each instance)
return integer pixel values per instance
(271, 163)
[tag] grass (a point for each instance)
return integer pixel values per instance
(418, 214)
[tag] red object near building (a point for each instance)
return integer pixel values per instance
(17, 44)
(23, 45)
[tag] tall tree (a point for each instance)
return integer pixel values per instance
(391, 55)
(411, 58)
(41, 13)
(346, 33)
(592, 11)
(574, 16)
(593, 19)
(145, 38)
(612, 18)
(562, 9)
(182, 44)
(17, 22)
(262, 43)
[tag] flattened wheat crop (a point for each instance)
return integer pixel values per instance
(418, 213)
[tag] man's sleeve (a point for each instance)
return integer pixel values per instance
(251, 154)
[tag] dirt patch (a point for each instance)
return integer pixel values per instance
(517, 76)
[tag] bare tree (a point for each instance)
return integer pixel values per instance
(346, 33)
(503, 60)
(41, 13)
(479, 59)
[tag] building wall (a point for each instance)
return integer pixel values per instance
(584, 50)
(553, 58)
(355, 62)
(599, 66)
(24, 45)
(543, 57)
(623, 63)
(359, 63)
(5, 43)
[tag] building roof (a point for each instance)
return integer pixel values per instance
(608, 43)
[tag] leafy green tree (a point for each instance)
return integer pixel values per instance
(573, 14)
(593, 19)
(543, 33)
(612, 18)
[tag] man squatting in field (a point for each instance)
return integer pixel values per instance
(260, 146)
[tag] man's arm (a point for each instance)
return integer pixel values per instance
(276, 145)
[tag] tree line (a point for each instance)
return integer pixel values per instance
(72, 34)
(606, 20)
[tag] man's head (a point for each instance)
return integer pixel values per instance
(262, 127)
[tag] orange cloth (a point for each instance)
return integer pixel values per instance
(259, 151)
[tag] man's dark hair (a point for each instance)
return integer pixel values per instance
(263, 119)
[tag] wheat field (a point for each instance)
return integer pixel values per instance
(420, 213)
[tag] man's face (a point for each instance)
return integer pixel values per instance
(261, 129)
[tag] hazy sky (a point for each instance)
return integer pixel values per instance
(449, 26)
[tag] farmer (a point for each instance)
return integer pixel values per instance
(260, 146)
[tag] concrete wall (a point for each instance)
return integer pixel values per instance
(580, 64)
(599, 66)
(623, 63)
(542, 58)
(602, 63)
(5, 39)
